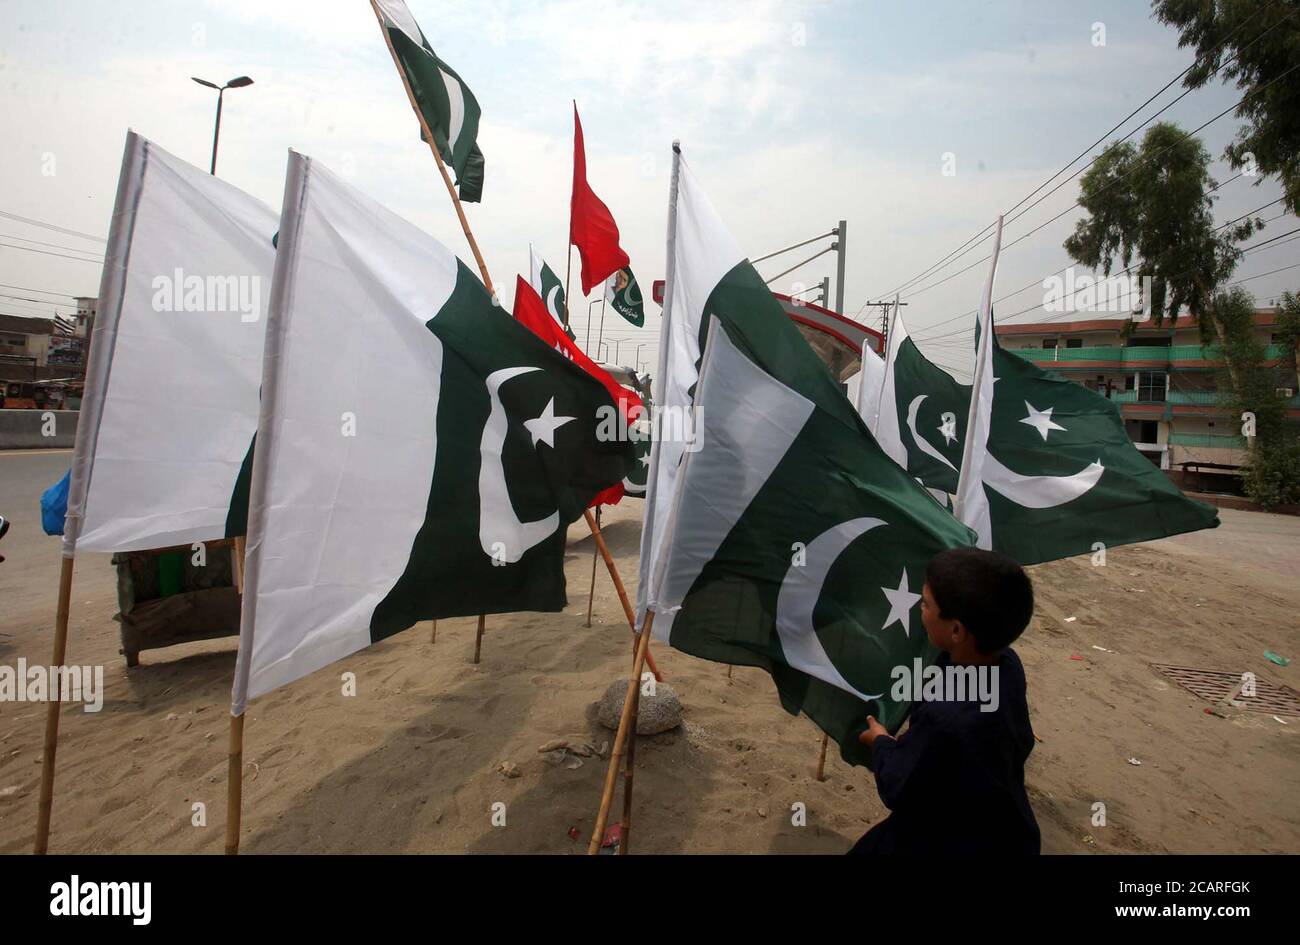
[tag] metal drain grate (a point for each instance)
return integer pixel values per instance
(1216, 686)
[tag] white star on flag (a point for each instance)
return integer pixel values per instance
(901, 602)
(543, 428)
(949, 428)
(1041, 420)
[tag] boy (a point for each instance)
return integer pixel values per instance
(955, 780)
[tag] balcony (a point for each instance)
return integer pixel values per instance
(1186, 398)
(1141, 353)
(1216, 440)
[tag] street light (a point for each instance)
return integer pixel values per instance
(236, 83)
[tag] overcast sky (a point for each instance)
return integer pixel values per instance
(793, 115)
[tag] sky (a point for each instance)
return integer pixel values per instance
(793, 115)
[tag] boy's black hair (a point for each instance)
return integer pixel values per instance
(987, 591)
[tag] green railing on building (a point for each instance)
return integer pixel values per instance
(1200, 398)
(1218, 440)
(1135, 354)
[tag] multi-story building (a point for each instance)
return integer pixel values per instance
(43, 360)
(1165, 381)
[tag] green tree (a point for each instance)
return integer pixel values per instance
(1154, 203)
(1257, 45)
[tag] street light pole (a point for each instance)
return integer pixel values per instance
(238, 82)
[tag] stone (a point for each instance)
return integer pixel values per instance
(509, 769)
(661, 712)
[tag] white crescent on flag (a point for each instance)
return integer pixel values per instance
(501, 533)
(798, 597)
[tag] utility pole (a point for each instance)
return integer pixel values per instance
(841, 234)
(884, 307)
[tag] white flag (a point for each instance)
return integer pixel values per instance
(971, 505)
(170, 408)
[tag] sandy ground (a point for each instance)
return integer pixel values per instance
(411, 762)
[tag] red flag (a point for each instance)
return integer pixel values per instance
(591, 226)
(531, 311)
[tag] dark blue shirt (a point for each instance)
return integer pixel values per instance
(954, 782)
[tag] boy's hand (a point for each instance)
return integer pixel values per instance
(874, 731)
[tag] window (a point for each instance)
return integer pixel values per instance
(1152, 385)
(1049, 344)
(1074, 342)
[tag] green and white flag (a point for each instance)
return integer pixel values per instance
(547, 285)
(778, 534)
(420, 453)
(164, 442)
(623, 295)
(449, 107)
(634, 483)
(919, 416)
(1056, 473)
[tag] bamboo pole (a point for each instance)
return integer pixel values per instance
(821, 761)
(618, 585)
(234, 784)
(238, 561)
(442, 168)
(478, 636)
(616, 756)
(629, 769)
(591, 594)
(235, 749)
(460, 214)
(52, 711)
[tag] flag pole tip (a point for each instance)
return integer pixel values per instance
(677, 146)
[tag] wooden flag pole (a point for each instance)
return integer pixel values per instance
(234, 784)
(478, 636)
(52, 711)
(630, 706)
(821, 762)
(618, 585)
(629, 769)
(487, 281)
(442, 168)
(235, 750)
(460, 213)
(591, 594)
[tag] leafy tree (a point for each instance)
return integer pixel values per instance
(1257, 44)
(1155, 203)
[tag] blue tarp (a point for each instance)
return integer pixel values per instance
(54, 505)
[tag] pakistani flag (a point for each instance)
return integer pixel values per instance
(634, 483)
(623, 295)
(163, 447)
(919, 414)
(1055, 474)
(777, 534)
(420, 453)
(448, 106)
(547, 285)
